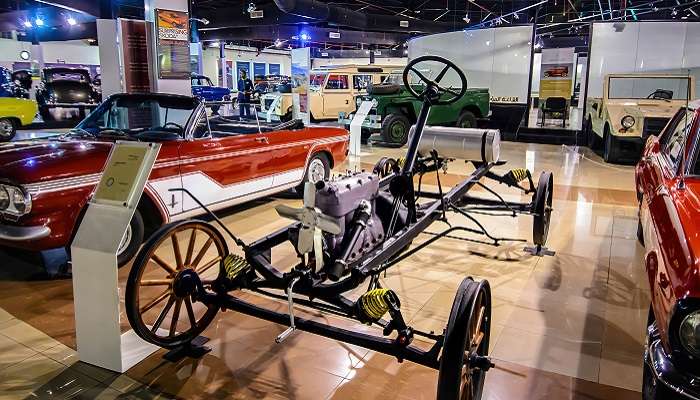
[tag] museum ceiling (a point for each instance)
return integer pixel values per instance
(361, 24)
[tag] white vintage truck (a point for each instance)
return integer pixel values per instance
(633, 107)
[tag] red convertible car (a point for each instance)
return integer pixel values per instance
(668, 188)
(45, 184)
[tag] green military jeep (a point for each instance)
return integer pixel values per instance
(396, 110)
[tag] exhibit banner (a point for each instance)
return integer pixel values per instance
(173, 47)
(556, 73)
(301, 68)
(134, 42)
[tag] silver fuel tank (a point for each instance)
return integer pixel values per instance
(470, 144)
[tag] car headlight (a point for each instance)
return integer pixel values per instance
(627, 121)
(4, 198)
(689, 333)
(14, 201)
(19, 201)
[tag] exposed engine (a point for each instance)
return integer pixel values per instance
(364, 215)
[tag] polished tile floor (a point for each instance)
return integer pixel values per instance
(568, 326)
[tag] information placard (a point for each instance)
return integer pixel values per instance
(125, 173)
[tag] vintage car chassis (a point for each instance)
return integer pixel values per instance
(463, 346)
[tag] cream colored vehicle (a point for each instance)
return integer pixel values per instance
(633, 107)
(332, 90)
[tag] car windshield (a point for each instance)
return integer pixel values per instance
(139, 117)
(67, 76)
(201, 81)
(642, 87)
(317, 80)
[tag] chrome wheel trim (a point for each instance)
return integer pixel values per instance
(317, 171)
(125, 240)
(6, 128)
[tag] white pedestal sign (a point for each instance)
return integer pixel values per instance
(356, 126)
(94, 257)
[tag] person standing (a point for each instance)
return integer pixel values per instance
(245, 88)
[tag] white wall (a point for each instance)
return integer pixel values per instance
(71, 51)
(210, 59)
(494, 58)
(652, 47)
(398, 61)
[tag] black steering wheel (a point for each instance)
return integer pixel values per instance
(433, 91)
(177, 126)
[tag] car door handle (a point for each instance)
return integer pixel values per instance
(262, 139)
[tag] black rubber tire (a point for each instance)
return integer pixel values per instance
(131, 304)
(457, 338)
(327, 168)
(466, 119)
(45, 114)
(610, 151)
(592, 139)
(13, 131)
(381, 88)
(542, 208)
(137, 231)
(395, 128)
(286, 117)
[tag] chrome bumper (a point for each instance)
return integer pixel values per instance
(681, 382)
(23, 233)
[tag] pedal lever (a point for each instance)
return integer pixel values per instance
(292, 326)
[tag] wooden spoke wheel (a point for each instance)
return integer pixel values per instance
(464, 362)
(542, 208)
(172, 266)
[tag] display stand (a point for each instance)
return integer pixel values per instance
(356, 126)
(94, 252)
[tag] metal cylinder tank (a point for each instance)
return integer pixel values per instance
(470, 144)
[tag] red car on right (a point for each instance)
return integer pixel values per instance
(668, 188)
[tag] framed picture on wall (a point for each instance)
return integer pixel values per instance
(274, 69)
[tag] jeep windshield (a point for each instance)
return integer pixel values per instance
(316, 81)
(396, 77)
(647, 87)
(139, 117)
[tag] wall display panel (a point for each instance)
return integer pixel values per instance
(275, 69)
(643, 47)
(259, 70)
(495, 58)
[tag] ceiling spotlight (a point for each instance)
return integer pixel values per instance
(466, 18)
(39, 22)
(516, 16)
(278, 43)
(405, 52)
(674, 12)
(71, 21)
(305, 36)
(655, 8)
(27, 24)
(251, 7)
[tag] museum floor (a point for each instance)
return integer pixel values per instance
(569, 326)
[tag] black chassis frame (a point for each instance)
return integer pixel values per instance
(328, 297)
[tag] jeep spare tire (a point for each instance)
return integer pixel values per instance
(383, 88)
(395, 129)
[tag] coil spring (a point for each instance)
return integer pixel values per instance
(401, 161)
(234, 265)
(518, 174)
(375, 303)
